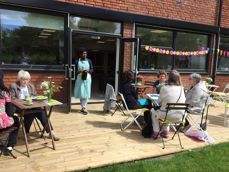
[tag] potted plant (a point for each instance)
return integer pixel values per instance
(139, 79)
(208, 80)
(49, 88)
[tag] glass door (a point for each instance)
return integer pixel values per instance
(130, 54)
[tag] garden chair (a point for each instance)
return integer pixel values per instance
(177, 124)
(112, 101)
(131, 114)
(204, 115)
(221, 96)
(4, 138)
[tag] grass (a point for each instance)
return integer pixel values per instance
(208, 159)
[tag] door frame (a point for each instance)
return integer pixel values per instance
(135, 52)
(70, 68)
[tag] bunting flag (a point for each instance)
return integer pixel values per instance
(220, 52)
(176, 53)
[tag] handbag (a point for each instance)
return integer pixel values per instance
(84, 75)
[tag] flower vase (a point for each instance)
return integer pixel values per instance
(49, 97)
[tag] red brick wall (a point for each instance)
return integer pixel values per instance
(196, 11)
(225, 14)
(37, 78)
(128, 29)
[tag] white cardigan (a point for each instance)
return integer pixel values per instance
(171, 94)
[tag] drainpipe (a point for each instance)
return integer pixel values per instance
(217, 41)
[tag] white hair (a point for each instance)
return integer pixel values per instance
(196, 77)
(23, 75)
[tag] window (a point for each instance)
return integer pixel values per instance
(171, 40)
(94, 25)
(31, 38)
(223, 61)
(191, 42)
(154, 38)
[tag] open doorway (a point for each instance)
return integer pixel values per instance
(102, 51)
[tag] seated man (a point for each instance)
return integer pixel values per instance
(197, 94)
(162, 81)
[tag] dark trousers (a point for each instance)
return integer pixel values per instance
(13, 135)
(28, 119)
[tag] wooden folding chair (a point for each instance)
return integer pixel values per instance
(177, 125)
(131, 114)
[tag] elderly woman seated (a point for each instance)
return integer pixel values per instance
(20, 90)
(197, 94)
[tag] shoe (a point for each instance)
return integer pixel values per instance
(164, 134)
(55, 138)
(7, 151)
(155, 135)
(186, 128)
(84, 111)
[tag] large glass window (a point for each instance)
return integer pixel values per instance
(94, 25)
(191, 42)
(172, 41)
(223, 61)
(155, 38)
(31, 38)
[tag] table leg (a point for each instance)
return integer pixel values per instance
(24, 132)
(48, 116)
(49, 125)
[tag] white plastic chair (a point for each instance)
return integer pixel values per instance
(222, 96)
(131, 114)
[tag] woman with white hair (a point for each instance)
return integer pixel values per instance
(197, 94)
(22, 88)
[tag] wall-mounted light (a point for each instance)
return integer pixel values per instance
(179, 2)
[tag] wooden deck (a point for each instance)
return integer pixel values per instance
(96, 140)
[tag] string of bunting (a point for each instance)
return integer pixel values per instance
(185, 53)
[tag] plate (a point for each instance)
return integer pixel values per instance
(40, 97)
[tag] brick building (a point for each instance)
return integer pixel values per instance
(116, 34)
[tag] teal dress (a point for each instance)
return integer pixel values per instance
(83, 87)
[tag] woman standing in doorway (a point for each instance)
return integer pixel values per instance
(82, 89)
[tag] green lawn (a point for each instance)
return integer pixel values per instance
(214, 158)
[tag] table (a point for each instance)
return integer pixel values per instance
(141, 89)
(154, 98)
(212, 87)
(37, 106)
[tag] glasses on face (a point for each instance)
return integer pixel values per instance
(24, 79)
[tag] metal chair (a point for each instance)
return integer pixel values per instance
(204, 115)
(131, 114)
(178, 124)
